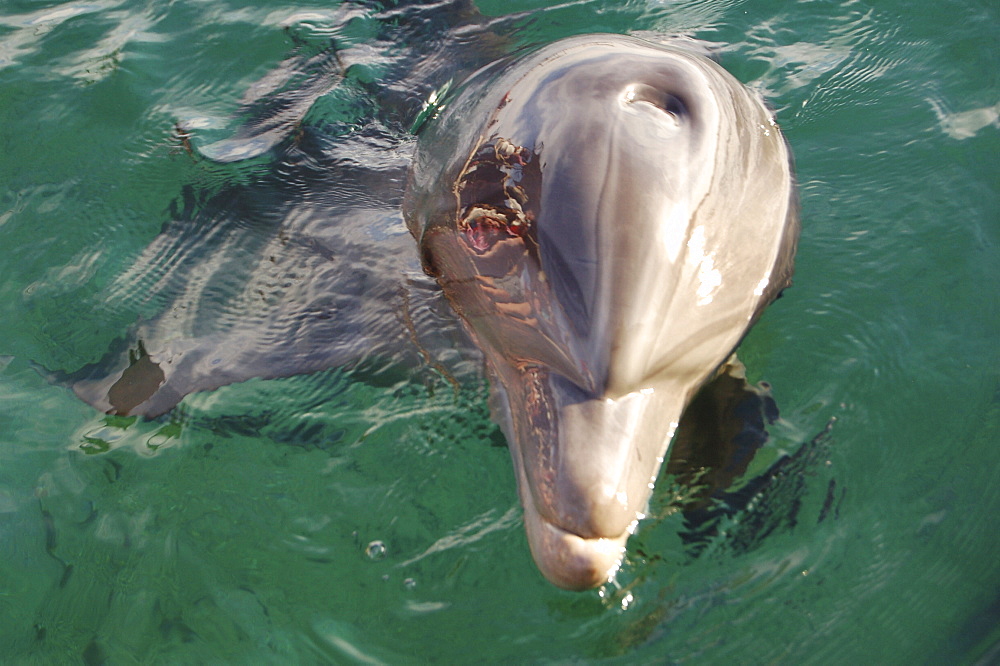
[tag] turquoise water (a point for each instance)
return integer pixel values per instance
(333, 518)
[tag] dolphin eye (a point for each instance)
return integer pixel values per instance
(661, 99)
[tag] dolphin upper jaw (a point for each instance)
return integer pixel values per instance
(569, 560)
(585, 466)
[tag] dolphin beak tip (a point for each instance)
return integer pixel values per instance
(570, 561)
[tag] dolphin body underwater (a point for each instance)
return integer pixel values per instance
(607, 216)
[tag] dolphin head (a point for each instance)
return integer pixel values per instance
(608, 217)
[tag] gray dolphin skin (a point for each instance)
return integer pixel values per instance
(609, 217)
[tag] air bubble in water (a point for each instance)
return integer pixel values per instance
(376, 551)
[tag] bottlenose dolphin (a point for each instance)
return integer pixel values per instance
(609, 218)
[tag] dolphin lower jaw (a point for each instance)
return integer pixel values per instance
(566, 559)
(585, 468)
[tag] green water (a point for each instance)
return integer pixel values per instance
(242, 528)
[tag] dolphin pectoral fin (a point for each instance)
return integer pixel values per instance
(268, 280)
(124, 382)
(129, 381)
(749, 512)
(720, 432)
(380, 337)
(140, 380)
(141, 383)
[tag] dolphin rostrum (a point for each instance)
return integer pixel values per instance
(609, 217)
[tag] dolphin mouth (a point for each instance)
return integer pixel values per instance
(566, 559)
(585, 471)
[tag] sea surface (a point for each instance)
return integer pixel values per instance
(349, 516)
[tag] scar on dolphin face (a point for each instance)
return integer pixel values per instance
(494, 194)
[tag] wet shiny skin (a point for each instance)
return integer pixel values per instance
(609, 217)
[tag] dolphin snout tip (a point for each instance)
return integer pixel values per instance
(568, 560)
